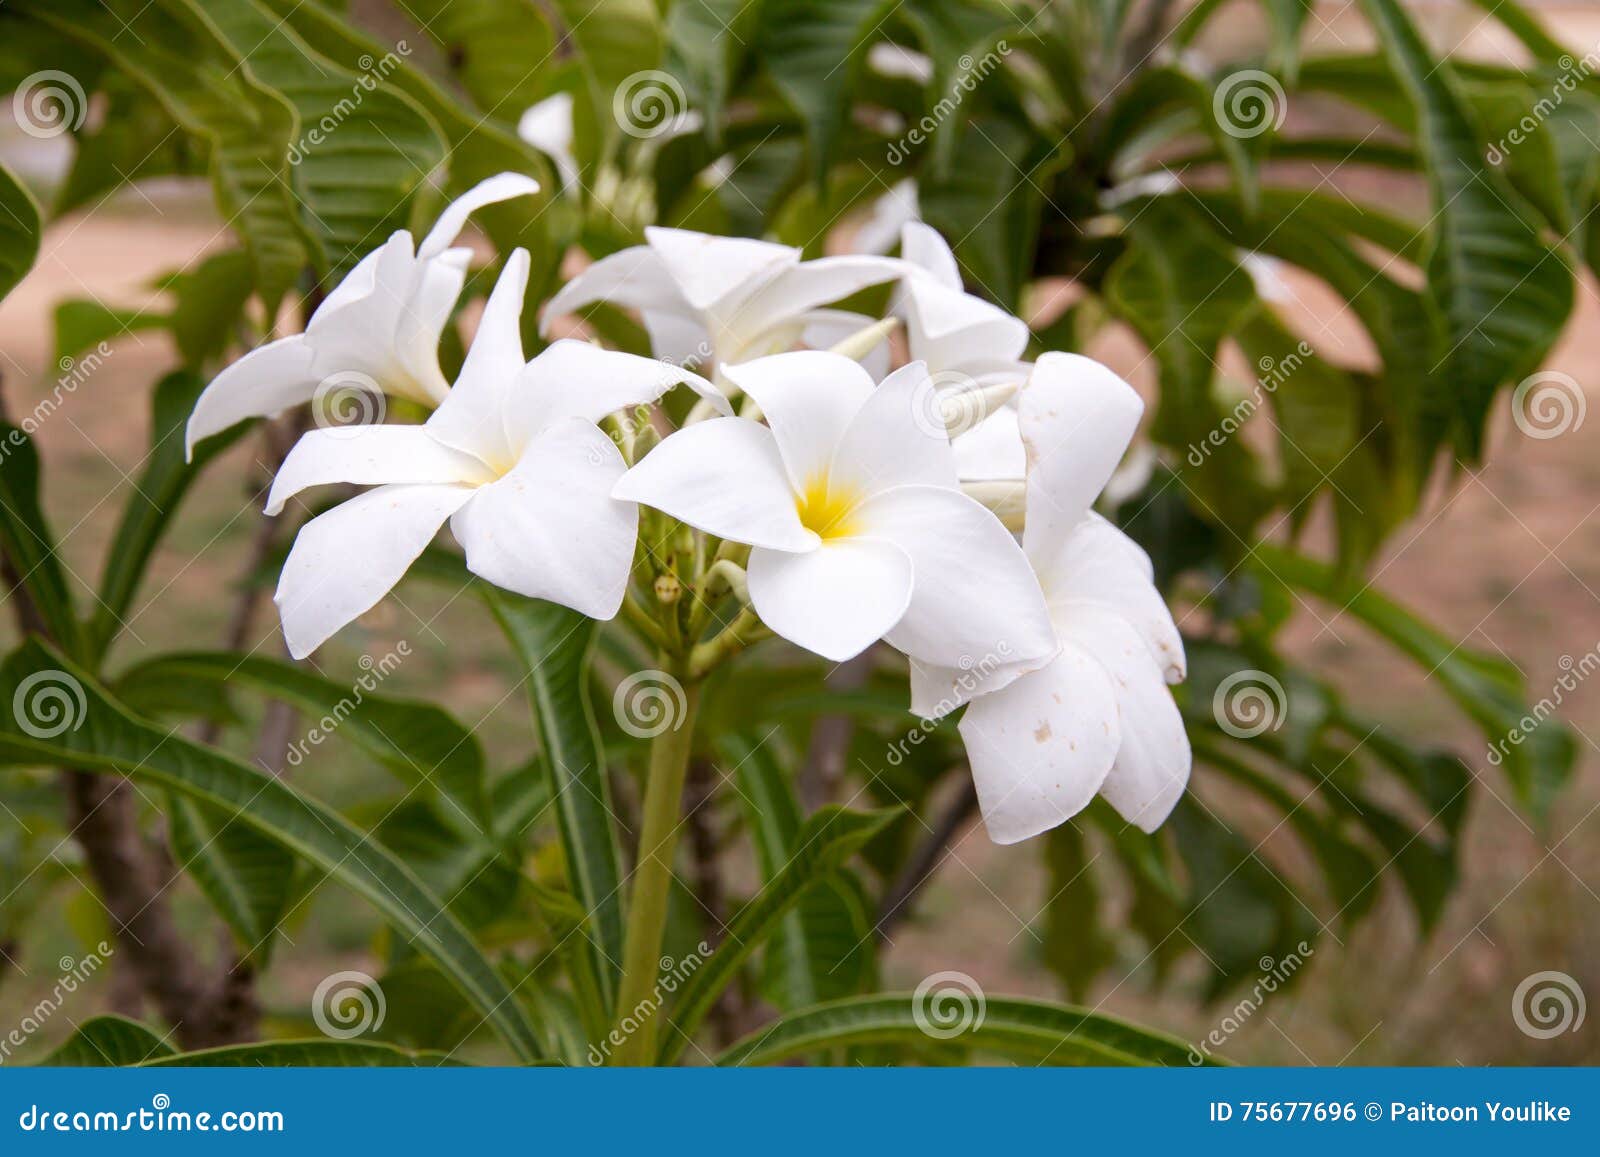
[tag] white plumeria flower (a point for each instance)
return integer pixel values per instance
(547, 126)
(851, 506)
(1099, 718)
(512, 457)
(968, 344)
(726, 299)
(380, 325)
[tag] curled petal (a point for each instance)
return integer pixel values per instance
(472, 417)
(635, 278)
(922, 246)
(267, 380)
(574, 379)
(500, 187)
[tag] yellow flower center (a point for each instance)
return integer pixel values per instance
(826, 510)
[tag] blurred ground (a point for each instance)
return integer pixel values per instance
(1507, 560)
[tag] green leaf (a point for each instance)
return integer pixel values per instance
(363, 146)
(1505, 294)
(211, 300)
(554, 644)
(823, 948)
(614, 42)
(101, 736)
(108, 1042)
(26, 540)
(1026, 1031)
(155, 498)
(303, 1054)
(1076, 947)
(84, 324)
(502, 50)
(247, 877)
(185, 66)
(706, 40)
(19, 232)
(826, 840)
(422, 744)
(134, 140)
(1538, 761)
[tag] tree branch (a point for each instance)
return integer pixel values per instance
(927, 860)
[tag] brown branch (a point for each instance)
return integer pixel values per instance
(926, 861)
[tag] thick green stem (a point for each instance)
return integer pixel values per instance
(652, 885)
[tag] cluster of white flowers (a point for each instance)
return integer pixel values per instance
(867, 498)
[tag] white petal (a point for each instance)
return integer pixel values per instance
(826, 328)
(808, 398)
(798, 290)
(890, 214)
(371, 456)
(635, 278)
(923, 246)
(975, 599)
(575, 379)
(500, 187)
(992, 450)
(547, 126)
(1077, 418)
(423, 319)
(957, 333)
(679, 338)
(936, 691)
(472, 416)
(896, 438)
(1152, 765)
(550, 529)
(708, 269)
(371, 331)
(836, 600)
(723, 476)
(1100, 566)
(347, 559)
(1041, 748)
(359, 281)
(266, 380)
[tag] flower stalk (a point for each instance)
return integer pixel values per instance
(652, 880)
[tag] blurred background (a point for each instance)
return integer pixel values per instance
(1505, 559)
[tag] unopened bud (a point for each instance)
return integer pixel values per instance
(668, 589)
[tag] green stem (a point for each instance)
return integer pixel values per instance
(652, 884)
